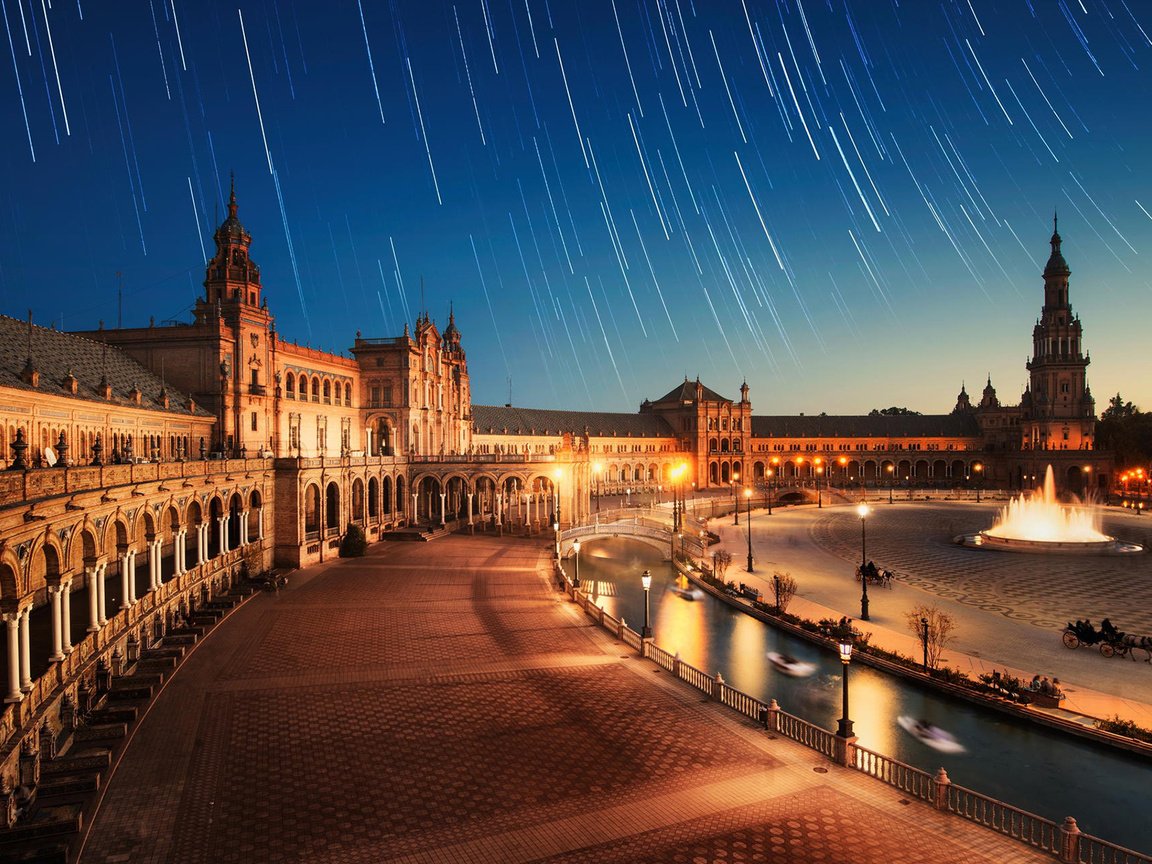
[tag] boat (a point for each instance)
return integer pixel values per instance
(790, 666)
(687, 593)
(929, 735)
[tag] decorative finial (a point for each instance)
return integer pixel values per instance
(232, 197)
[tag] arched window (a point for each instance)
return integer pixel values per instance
(327, 391)
(373, 498)
(311, 509)
(290, 386)
(347, 394)
(315, 389)
(332, 512)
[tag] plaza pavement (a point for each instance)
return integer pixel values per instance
(1010, 609)
(441, 703)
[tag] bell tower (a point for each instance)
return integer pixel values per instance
(1062, 412)
(232, 277)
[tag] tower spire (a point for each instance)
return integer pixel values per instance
(232, 197)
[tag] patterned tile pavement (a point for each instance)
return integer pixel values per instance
(438, 703)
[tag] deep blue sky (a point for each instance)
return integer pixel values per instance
(848, 204)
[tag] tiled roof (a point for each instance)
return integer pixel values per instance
(493, 419)
(686, 392)
(962, 425)
(55, 354)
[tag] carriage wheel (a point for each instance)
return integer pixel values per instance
(1106, 649)
(1070, 640)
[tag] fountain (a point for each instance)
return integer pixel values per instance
(1039, 523)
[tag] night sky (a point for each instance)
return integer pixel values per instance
(846, 203)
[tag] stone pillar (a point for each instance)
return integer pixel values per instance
(940, 784)
(25, 651)
(442, 497)
(101, 584)
(67, 617)
(469, 509)
(12, 621)
(178, 550)
(124, 601)
(244, 528)
(259, 523)
(415, 511)
(222, 533)
(202, 543)
(1069, 841)
(57, 623)
(132, 577)
(91, 576)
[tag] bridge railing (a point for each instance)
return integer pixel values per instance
(1064, 841)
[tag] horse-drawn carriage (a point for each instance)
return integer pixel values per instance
(1110, 641)
(874, 575)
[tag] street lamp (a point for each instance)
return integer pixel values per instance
(576, 552)
(978, 468)
(843, 460)
(819, 474)
(890, 468)
(556, 529)
(646, 581)
(776, 586)
(924, 637)
(770, 474)
(735, 498)
(748, 498)
(597, 469)
(844, 730)
(863, 510)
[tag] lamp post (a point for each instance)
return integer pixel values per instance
(863, 510)
(735, 498)
(748, 498)
(576, 552)
(646, 581)
(978, 468)
(843, 460)
(924, 638)
(819, 474)
(890, 468)
(844, 729)
(597, 469)
(776, 586)
(556, 530)
(770, 473)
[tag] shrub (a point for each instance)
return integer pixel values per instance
(1127, 728)
(354, 544)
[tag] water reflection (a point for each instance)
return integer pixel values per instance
(1046, 773)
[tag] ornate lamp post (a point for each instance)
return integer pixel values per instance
(843, 460)
(978, 468)
(735, 498)
(748, 498)
(862, 511)
(819, 476)
(771, 488)
(891, 469)
(646, 581)
(924, 638)
(844, 729)
(576, 551)
(597, 469)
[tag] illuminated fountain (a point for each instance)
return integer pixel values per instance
(1040, 523)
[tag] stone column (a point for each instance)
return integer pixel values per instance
(259, 523)
(244, 528)
(25, 651)
(66, 617)
(91, 576)
(124, 578)
(415, 512)
(156, 576)
(178, 550)
(469, 509)
(12, 620)
(202, 543)
(57, 623)
(442, 497)
(101, 574)
(132, 577)
(222, 533)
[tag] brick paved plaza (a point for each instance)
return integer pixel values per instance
(439, 703)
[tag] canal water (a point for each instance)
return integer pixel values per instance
(1050, 774)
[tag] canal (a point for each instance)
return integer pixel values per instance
(1048, 773)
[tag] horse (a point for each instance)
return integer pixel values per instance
(1132, 642)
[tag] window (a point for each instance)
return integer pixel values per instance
(315, 389)
(347, 394)
(327, 392)
(255, 427)
(379, 361)
(290, 386)
(255, 377)
(374, 397)
(387, 395)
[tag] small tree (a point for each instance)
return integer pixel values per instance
(785, 592)
(354, 544)
(252, 564)
(940, 625)
(720, 561)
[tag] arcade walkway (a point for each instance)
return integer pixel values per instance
(439, 703)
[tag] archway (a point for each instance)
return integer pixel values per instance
(357, 500)
(311, 512)
(332, 507)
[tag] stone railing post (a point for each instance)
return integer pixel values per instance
(773, 716)
(620, 628)
(1069, 841)
(676, 665)
(718, 688)
(940, 785)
